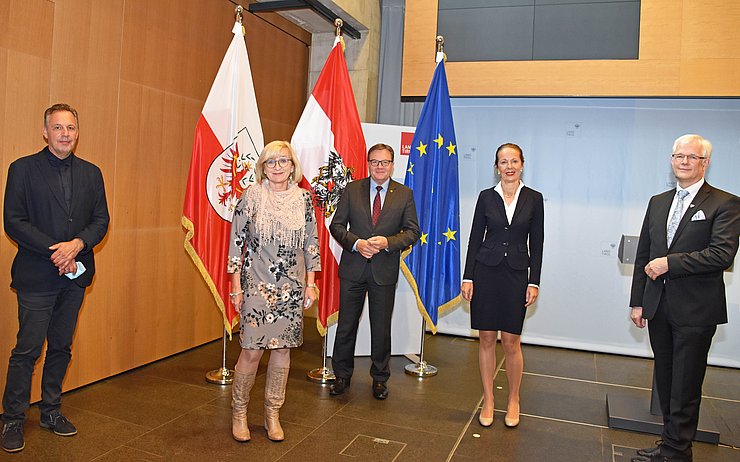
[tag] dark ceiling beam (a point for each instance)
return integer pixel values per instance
(315, 5)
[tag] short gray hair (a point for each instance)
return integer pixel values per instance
(706, 144)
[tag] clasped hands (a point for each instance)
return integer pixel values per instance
(371, 246)
(656, 267)
(64, 255)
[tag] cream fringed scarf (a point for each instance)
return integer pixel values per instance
(280, 216)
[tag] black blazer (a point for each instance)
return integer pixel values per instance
(353, 220)
(36, 216)
(492, 238)
(701, 250)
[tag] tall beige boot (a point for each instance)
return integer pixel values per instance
(275, 383)
(240, 388)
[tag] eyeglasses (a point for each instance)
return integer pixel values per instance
(692, 157)
(376, 162)
(283, 162)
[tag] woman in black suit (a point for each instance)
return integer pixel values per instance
(503, 263)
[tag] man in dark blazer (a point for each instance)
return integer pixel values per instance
(375, 219)
(688, 238)
(56, 211)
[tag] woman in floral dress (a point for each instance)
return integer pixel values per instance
(273, 257)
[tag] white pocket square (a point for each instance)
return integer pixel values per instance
(698, 216)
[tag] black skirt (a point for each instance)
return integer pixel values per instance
(499, 295)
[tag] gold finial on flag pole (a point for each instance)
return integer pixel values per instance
(440, 49)
(239, 16)
(339, 23)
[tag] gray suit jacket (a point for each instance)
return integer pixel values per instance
(353, 220)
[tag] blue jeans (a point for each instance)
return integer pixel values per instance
(50, 316)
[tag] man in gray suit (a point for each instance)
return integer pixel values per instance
(688, 238)
(375, 219)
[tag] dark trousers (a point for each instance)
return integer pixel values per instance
(680, 363)
(351, 301)
(50, 316)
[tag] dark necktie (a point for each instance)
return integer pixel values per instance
(376, 205)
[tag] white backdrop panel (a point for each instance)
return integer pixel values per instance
(597, 162)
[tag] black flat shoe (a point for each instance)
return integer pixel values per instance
(339, 385)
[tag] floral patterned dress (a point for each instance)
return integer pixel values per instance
(273, 277)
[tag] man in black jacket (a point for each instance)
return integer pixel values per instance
(688, 238)
(56, 211)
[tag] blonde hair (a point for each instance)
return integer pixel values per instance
(705, 144)
(273, 150)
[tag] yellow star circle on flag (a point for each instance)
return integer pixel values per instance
(411, 168)
(440, 141)
(423, 238)
(451, 148)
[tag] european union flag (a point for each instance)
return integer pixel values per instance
(432, 266)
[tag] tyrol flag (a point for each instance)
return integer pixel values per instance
(432, 266)
(330, 146)
(228, 141)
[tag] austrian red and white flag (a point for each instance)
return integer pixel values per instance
(330, 145)
(228, 141)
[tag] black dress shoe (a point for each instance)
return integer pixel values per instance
(339, 385)
(380, 390)
(661, 458)
(662, 453)
(650, 452)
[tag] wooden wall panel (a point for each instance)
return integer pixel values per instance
(280, 102)
(175, 46)
(25, 65)
(86, 62)
(687, 48)
(27, 26)
(711, 30)
(661, 17)
(138, 72)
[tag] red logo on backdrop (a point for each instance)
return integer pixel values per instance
(407, 138)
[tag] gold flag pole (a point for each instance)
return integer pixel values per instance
(323, 375)
(223, 375)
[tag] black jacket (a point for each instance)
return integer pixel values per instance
(36, 216)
